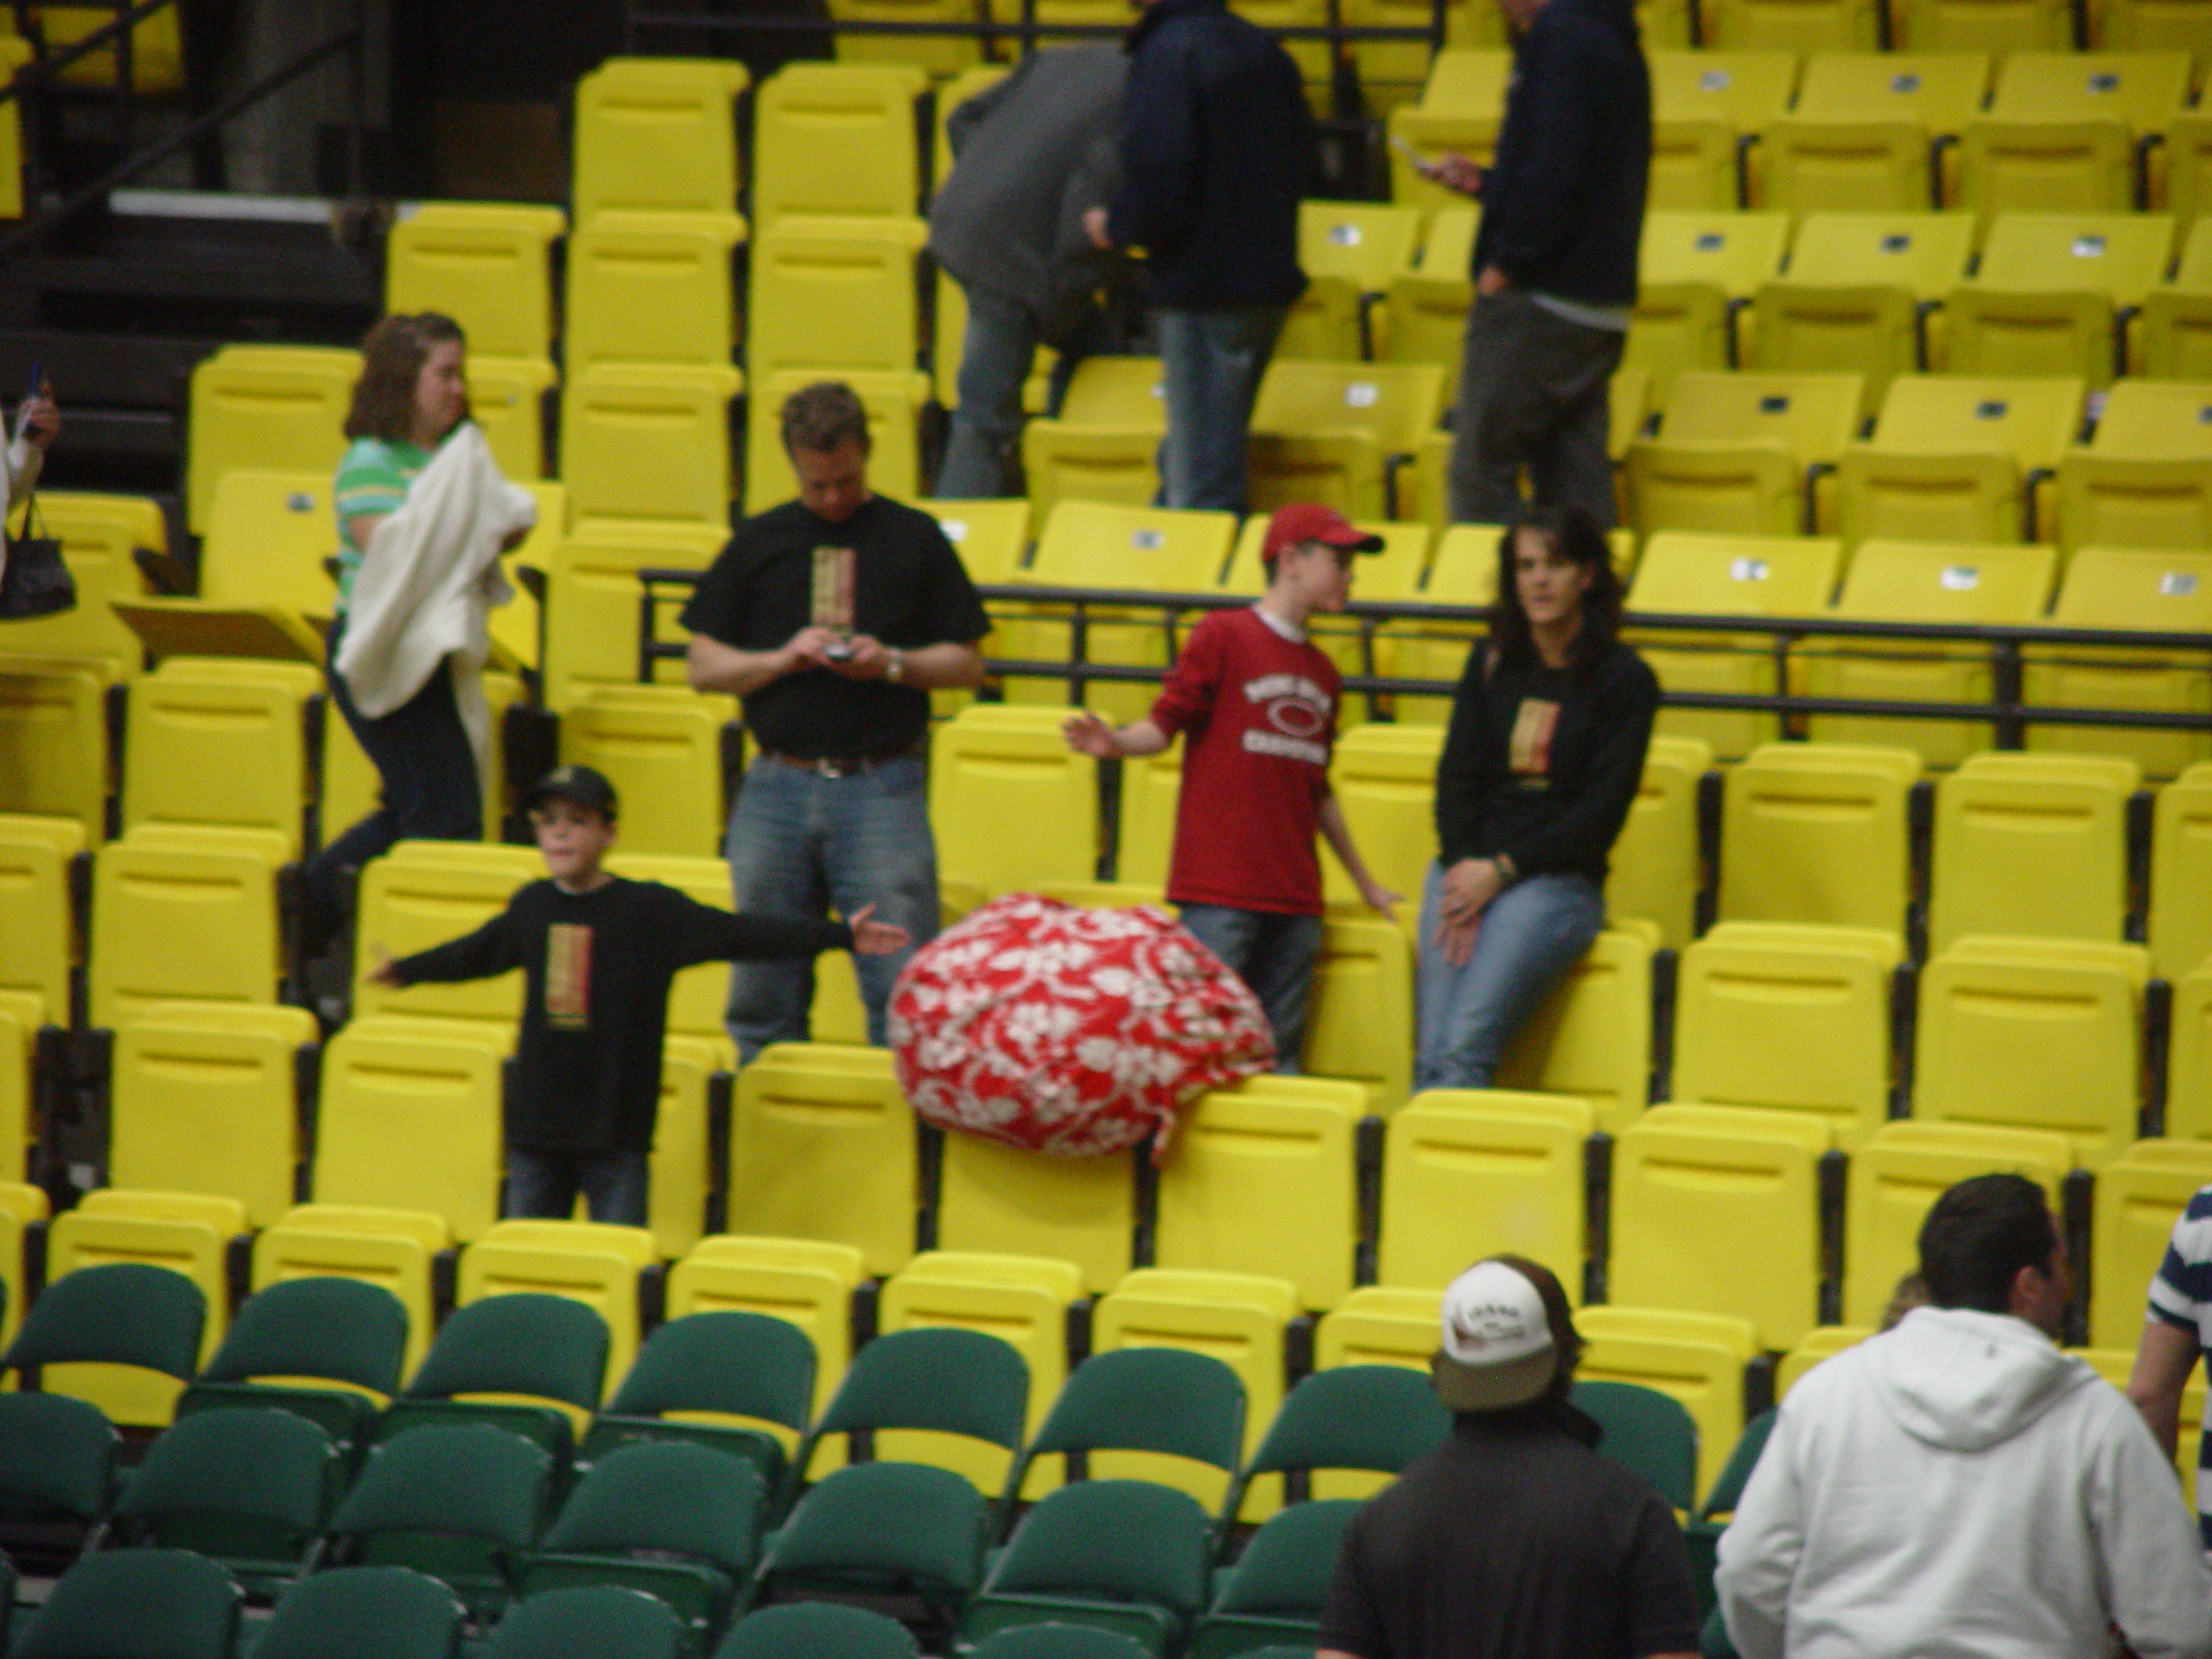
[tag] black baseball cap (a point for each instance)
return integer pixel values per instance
(578, 786)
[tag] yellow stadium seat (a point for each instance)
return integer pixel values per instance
(2156, 419)
(1807, 163)
(1998, 26)
(280, 406)
(657, 135)
(391, 1248)
(1461, 105)
(1385, 779)
(648, 441)
(981, 770)
(2139, 1197)
(1792, 25)
(1954, 458)
(53, 740)
(664, 755)
(2153, 26)
(38, 925)
(834, 141)
(1383, 1324)
(14, 55)
(1817, 833)
(21, 1204)
(2181, 873)
(1939, 89)
(1236, 1318)
(179, 920)
(1022, 1301)
(351, 787)
(2027, 165)
(1102, 443)
(1896, 1176)
(941, 54)
(803, 1282)
(585, 1261)
(268, 535)
(1467, 1173)
(823, 1150)
(412, 899)
(693, 1069)
(2106, 588)
(1699, 1358)
(485, 264)
(2050, 295)
(653, 288)
(1696, 269)
(506, 398)
(1856, 294)
(207, 1100)
(1702, 103)
(1695, 574)
(1716, 1210)
(1823, 1342)
(832, 297)
(1335, 432)
(1425, 309)
(1094, 544)
(991, 537)
(2021, 1038)
(184, 1243)
(1657, 863)
(1150, 786)
(2024, 849)
(2142, 89)
(893, 399)
(23, 1017)
(1797, 1022)
(100, 537)
(1592, 1037)
(1358, 245)
(1736, 452)
(2189, 1073)
(1923, 582)
(206, 747)
(1361, 1022)
(1391, 72)
(998, 1198)
(592, 599)
(411, 1119)
(1261, 1176)
(2115, 500)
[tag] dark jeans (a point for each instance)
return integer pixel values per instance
(542, 1185)
(1533, 393)
(982, 456)
(1273, 954)
(1211, 362)
(431, 792)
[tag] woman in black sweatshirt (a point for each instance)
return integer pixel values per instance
(1540, 765)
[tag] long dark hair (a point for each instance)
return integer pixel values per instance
(393, 357)
(1575, 536)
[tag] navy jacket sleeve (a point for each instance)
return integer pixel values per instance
(700, 933)
(492, 950)
(1463, 771)
(1160, 150)
(1529, 209)
(1627, 700)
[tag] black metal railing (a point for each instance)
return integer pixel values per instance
(1026, 30)
(2009, 645)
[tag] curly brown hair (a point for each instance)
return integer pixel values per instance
(392, 356)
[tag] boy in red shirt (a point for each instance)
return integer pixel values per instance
(1257, 702)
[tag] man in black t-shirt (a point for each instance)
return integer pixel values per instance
(1513, 1539)
(833, 617)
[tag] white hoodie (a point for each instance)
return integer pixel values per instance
(1959, 1488)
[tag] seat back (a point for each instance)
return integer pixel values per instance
(2023, 851)
(183, 920)
(546, 1346)
(653, 288)
(53, 757)
(485, 264)
(657, 135)
(663, 756)
(2180, 862)
(1470, 1173)
(1697, 1358)
(414, 1616)
(983, 766)
(593, 596)
(1591, 1038)
(167, 1601)
(282, 406)
(822, 1152)
(648, 441)
(835, 140)
(411, 1119)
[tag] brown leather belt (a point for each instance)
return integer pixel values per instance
(837, 766)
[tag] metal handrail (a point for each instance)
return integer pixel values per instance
(2009, 714)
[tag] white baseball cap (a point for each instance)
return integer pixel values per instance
(1498, 1349)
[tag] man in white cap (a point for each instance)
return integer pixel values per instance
(1513, 1539)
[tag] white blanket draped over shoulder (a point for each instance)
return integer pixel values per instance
(429, 580)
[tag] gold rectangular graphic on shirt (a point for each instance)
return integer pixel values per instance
(833, 589)
(1532, 737)
(567, 975)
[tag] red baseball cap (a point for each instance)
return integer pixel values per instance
(1309, 521)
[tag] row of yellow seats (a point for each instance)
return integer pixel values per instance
(1883, 294)
(1873, 130)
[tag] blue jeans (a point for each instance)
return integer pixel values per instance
(1211, 362)
(1531, 934)
(980, 457)
(1272, 953)
(542, 1185)
(799, 844)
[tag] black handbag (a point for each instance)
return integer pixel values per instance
(36, 581)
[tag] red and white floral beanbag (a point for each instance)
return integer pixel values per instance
(1071, 1032)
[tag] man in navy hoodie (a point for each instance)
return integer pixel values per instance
(1216, 146)
(1554, 263)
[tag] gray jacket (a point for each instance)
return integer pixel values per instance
(1031, 155)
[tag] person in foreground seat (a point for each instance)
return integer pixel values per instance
(1958, 1488)
(1514, 1539)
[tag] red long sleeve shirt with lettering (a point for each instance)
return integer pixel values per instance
(1258, 713)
